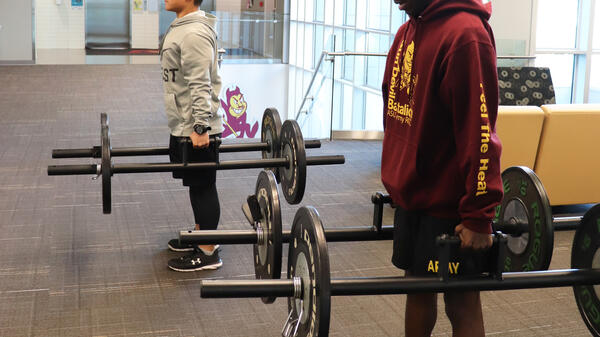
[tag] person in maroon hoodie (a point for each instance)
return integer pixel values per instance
(441, 156)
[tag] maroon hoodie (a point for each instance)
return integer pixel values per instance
(441, 155)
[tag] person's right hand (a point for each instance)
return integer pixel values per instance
(200, 141)
(471, 239)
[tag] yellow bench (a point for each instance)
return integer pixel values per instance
(519, 129)
(560, 143)
(568, 161)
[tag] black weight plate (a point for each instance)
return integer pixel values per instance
(270, 133)
(585, 254)
(267, 256)
(308, 259)
(293, 178)
(106, 163)
(526, 200)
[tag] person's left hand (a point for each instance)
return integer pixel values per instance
(471, 239)
(200, 141)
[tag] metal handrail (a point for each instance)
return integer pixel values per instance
(312, 80)
(325, 53)
(510, 57)
(317, 68)
(351, 53)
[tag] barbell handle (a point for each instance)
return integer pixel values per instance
(94, 152)
(397, 285)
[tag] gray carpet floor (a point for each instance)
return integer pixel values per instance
(68, 270)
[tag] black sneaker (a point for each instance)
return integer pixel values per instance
(196, 261)
(176, 246)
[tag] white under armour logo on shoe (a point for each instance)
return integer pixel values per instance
(196, 261)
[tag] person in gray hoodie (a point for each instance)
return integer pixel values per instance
(191, 82)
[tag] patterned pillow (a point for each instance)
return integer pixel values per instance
(525, 86)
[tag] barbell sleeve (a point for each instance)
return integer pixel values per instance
(231, 237)
(246, 289)
(62, 170)
(94, 152)
(403, 285)
(325, 160)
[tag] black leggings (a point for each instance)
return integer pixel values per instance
(205, 203)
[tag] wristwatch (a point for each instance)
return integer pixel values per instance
(200, 129)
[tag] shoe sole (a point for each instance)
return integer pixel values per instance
(209, 267)
(190, 249)
(171, 248)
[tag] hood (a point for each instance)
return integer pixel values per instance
(196, 17)
(439, 8)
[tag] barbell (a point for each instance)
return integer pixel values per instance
(309, 286)
(271, 127)
(523, 214)
(290, 162)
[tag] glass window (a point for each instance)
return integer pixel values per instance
(299, 44)
(329, 12)
(398, 18)
(339, 46)
(376, 43)
(308, 46)
(318, 48)
(337, 107)
(595, 80)
(374, 112)
(561, 70)
(350, 11)
(347, 107)
(596, 24)
(557, 24)
(361, 7)
(294, 10)
(301, 8)
(359, 61)
(338, 9)
(358, 111)
(309, 15)
(379, 15)
(320, 10)
(293, 42)
(349, 60)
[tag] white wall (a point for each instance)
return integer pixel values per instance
(513, 22)
(144, 30)
(262, 85)
(59, 26)
(63, 27)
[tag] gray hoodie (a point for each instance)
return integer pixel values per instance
(188, 59)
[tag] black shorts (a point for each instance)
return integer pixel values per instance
(416, 252)
(202, 178)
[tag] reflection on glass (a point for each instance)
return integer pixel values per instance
(358, 111)
(557, 24)
(595, 80)
(379, 14)
(374, 112)
(561, 70)
(596, 24)
(350, 10)
(349, 60)
(320, 10)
